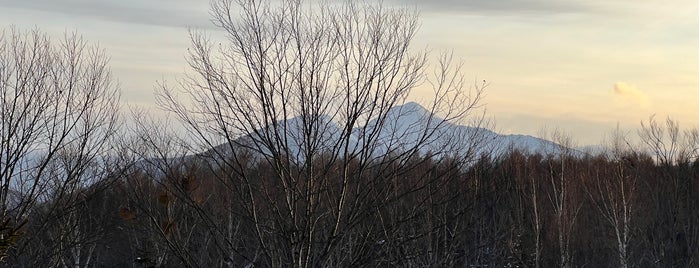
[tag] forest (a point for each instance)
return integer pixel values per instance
(620, 208)
(284, 147)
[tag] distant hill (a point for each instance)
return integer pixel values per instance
(405, 127)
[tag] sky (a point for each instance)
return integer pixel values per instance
(580, 66)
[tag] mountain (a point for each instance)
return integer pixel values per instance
(412, 122)
(403, 128)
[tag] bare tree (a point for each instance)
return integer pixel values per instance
(662, 141)
(668, 143)
(562, 194)
(159, 186)
(534, 195)
(673, 196)
(58, 111)
(613, 190)
(337, 70)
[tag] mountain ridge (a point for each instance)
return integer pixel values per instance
(405, 127)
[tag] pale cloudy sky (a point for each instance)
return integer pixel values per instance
(581, 66)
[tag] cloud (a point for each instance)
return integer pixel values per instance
(169, 13)
(502, 6)
(630, 94)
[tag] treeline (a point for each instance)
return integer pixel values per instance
(518, 210)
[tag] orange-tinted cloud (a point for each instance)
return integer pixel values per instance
(630, 94)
